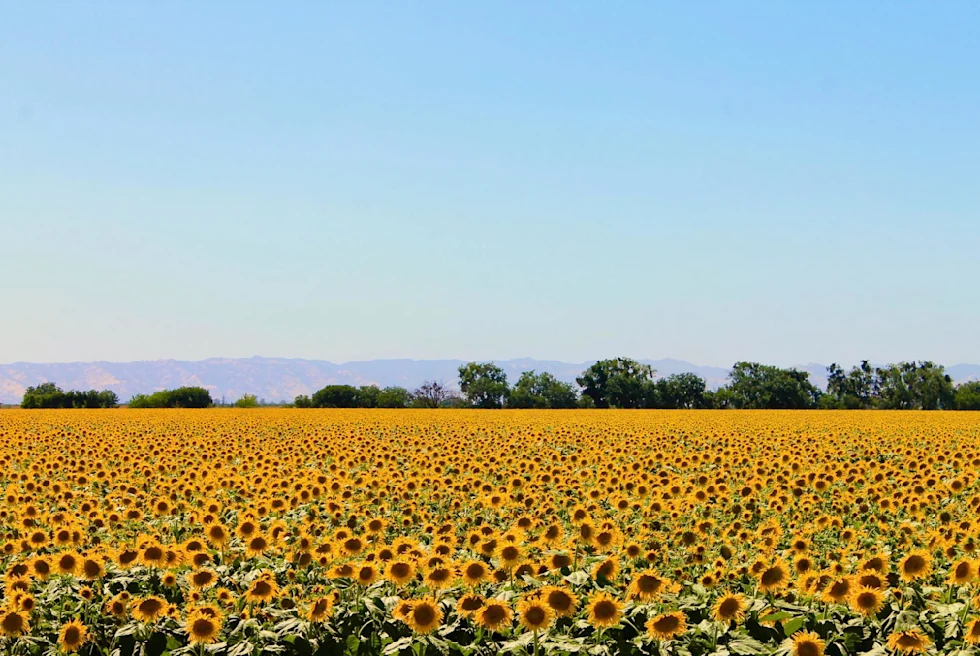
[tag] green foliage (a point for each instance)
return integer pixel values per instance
(302, 401)
(484, 384)
(336, 396)
(541, 391)
(50, 396)
(618, 383)
(914, 386)
(182, 397)
(430, 394)
(968, 396)
(247, 401)
(367, 396)
(679, 391)
(394, 397)
(759, 386)
(853, 390)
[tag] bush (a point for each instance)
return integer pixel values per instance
(182, 397)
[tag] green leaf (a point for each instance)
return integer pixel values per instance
(793, 625)
(396, 646)
(745, 646)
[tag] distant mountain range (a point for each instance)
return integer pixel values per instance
(282, 379)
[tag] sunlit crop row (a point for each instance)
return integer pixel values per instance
(131, 532)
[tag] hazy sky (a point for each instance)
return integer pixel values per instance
(778, 181)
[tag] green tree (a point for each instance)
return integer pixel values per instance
(394, 397)
(182, 397)
(303, 401)
(968, 396)
(367, 396)
(759, 386)
(484, 384)
(430, 394)
(618, 383)
(50, 396)
(541, 391)
(914, 386)
(336, 396)
(679, 391)
(247, 401)
(852, 390)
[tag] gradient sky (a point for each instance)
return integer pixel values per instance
(777, 181)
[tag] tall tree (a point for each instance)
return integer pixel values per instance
(617, 383)
(968, 396)
(336, 396)
(542, 390)
(679, 391)
(484, 384)
(430, 394)
(394, 397)
(759, 386)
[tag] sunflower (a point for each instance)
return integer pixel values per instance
(13, 623)
(510, 556)
(424, 616)
(116, 606)
(39, 567)
(730, 608)
(23, 601)
(870, 579)
(604, 610)
(838, 591)
(400, 572)
(867, 601)
(153, 555)
(402, 609)
(494, 615)
(607, 569)
(92, 569)
(666, 626)
(774, 577)
(807, 643)
(67, 563)
(256, 545)
(474, 572)
(916, 565)
(469, 604)
(168, 579)
(320, 609)
(247, 528)
(962, 572)
(149, 609)
(440, 577)
(127, 558)
(262, 589)
(72, 636)
(365, 574)
(217, 534)
(202, 579)
(561, 600)
(911, 641)
(971, 633)
(534, 615)
(202, 628)
(647, 585)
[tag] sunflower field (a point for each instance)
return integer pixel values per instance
(317, 532)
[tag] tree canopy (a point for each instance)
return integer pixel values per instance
(50, 396)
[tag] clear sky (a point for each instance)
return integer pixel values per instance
(777, 181)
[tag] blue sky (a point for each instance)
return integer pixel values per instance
(784, 182)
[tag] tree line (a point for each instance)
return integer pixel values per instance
(50, 396)
(615, 383)
(629, 384)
